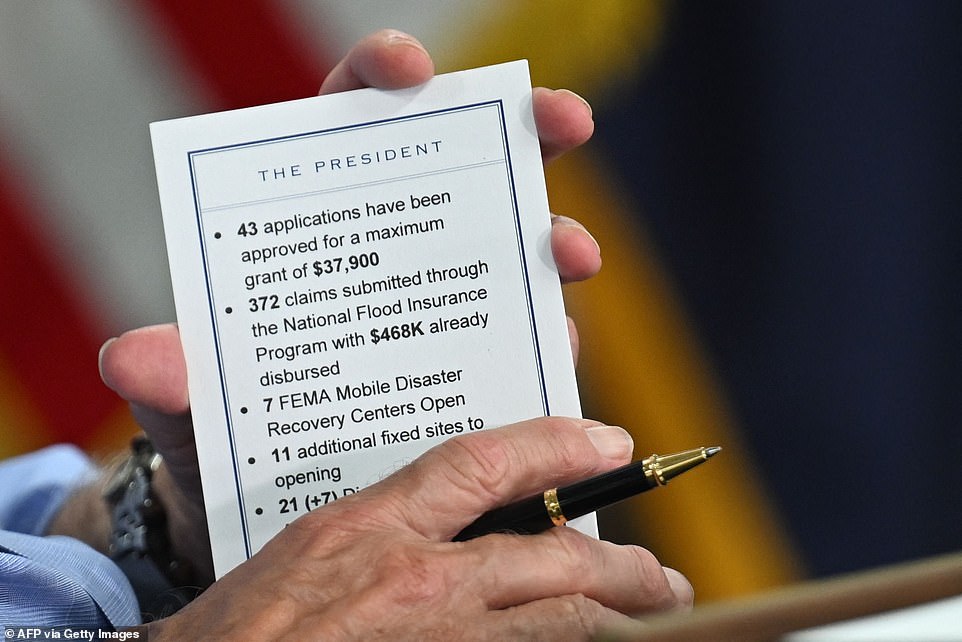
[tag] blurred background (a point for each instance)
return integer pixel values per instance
(776, 187)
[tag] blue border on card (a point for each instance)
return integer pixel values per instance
(198, 210)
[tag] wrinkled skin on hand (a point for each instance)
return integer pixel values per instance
(380, 564)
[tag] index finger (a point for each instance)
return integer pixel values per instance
(452, 484)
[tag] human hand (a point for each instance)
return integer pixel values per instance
(146, 366)
(380, 564)
(390, 59)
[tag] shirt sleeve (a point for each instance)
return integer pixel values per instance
(34, 486)
(53, 581)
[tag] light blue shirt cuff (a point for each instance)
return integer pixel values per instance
(35, 486)
(60, 581)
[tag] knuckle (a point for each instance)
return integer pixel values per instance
(573, 551)
(480, 464)
(583, 612)
(415, 574)
(567, 454)
(314, 537)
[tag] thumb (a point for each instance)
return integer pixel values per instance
(146, 368)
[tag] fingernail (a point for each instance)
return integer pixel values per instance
(100, 356)
(611, 441)
(581, 98)
(559, 219)
(401, 38)
(681, 587)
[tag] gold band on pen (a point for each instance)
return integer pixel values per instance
(553, 506)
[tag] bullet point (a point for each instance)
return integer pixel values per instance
(229, 310)
(251, 460)
(216, 235)
(259, 511)
(243, 410)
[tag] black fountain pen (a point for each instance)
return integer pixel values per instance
(556, 506)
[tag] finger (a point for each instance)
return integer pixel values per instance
(563, 119)
(514, 569)
(568, 617)
(456, 481)
(682, 588)
(146, 368)
(388, 59)
(576, 253)
(573, 339)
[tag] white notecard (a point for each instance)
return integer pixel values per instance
(357, 277)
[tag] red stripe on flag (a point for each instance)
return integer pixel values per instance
(247, 53)
(46, 335)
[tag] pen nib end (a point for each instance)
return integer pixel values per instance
(712, 450)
